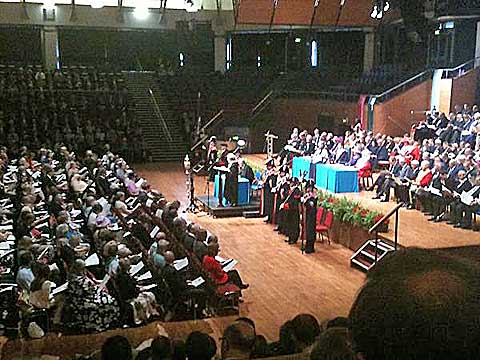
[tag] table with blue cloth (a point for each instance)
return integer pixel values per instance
(243, 191)
(337, 178)
(303, 165)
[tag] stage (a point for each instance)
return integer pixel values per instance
(414, 227)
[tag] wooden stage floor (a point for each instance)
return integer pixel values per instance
(283, 282)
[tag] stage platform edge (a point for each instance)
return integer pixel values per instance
(211, 206)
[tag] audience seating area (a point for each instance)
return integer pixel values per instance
(79, 106)
(70, 221)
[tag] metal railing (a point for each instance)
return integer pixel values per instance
(461, 69)
(262, 101)
(374, 228)
(212, 122)
(159, 115)
(414, 80)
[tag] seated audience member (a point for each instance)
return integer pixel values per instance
(157, 251)
(237, 341)
(464, 211)
(333, 344)
(116, 348)
(422, 180)
(110, 253)
(41, 287)
(287, 343)
(131, 185)
(25, 275)
(306, 329)
(216, 272)
(143, 302)
(87, 307)
(178, 286)
(199, 246)
(418, 304)
(180, 231)
(119, 204)
(200, 346)
(363, 164)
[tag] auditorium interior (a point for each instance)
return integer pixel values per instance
(240, 179)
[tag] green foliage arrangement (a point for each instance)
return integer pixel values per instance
(350, 212)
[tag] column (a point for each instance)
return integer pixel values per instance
(369, 51)
(477, 48)
(50, 49)
(220, 49)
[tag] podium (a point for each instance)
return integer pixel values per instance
(243, 190)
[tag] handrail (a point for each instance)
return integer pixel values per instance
(264, 99)
(402, 84)
(460, 67)
(379, 222)
(159, 114)
(211, 121)
(199, 142)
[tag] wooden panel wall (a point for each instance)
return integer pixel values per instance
(464, 89)
(299, 12)
(393, 117)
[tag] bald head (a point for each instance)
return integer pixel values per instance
(169, 257)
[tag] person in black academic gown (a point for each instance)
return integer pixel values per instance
(291, 210)
(231, 181)
(268, 197)
(310, 205)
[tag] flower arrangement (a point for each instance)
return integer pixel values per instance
(351, 212)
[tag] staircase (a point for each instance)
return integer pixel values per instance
(161, 129)
(375, 250)
(364, 258)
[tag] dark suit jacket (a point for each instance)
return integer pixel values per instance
(174, 280)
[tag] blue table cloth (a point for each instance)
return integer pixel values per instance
(337, 178)
(243, 190)
(301, 165)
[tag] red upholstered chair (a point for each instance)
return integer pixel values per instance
(365, 177)
(320, 212)
(326, 226)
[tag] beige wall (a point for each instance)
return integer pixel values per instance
(108, 17)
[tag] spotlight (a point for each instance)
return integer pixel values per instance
(374, 13)
(141, 12)
(298, 40)
(386, 6)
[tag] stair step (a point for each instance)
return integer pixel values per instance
(364, 266)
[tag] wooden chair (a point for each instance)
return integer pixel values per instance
(326, 226)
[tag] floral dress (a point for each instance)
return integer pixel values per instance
(87, 308)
